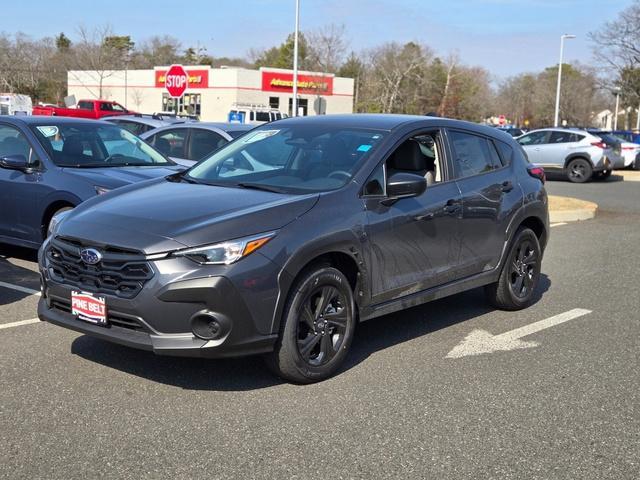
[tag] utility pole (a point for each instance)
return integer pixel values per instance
(295, 61)
(557, 113)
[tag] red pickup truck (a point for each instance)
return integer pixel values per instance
(85, 109)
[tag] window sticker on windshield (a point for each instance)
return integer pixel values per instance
(256, 137)
(364, 148)
(48, 131)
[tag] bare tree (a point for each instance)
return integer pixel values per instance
(395, 74)
(97, 57)
(327, 48)
(617, 46)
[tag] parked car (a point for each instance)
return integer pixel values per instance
(84, 109)
(190, 142)
(579, 154)
(140, 123)
(629, 150)
(15, 104)
(513, 131)
(359, 216)
(49, 165)
(253, 114)
(630, 136)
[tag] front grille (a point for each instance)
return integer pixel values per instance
(114, 318)
(121, 272)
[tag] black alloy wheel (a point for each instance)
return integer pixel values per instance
(522, 269)
(317, 328)
(516, 285)
(579, 170)
(322, 325)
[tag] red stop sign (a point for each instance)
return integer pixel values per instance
(176, 81)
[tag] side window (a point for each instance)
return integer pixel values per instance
(506, 152)
(133, 127)
(562, 137)
(472, 154)
(13, 142)
(204, 142)
(534, 138)
(170, 142)
(421, 155)
(85, 105)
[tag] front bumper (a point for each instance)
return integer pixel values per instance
(242, 296)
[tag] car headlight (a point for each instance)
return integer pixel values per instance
(225, 253)
(55, 221)
(101, 190)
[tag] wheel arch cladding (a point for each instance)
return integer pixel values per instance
(537, 225)
(340, 260)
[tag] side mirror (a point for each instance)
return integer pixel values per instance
(405, 185)
(14, 162)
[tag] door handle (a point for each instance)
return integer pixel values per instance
(426, 216)
(452, 206)
(506, 186)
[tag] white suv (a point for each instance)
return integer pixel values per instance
(578, 153)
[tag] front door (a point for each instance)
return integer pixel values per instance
(18, 189)
(413, 242)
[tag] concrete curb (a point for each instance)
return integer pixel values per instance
(568, 209)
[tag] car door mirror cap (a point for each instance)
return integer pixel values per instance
(14, 162)
(404, 185)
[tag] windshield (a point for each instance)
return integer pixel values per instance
(300, 158)
(95, 145)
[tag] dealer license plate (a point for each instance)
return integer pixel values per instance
(89, 307)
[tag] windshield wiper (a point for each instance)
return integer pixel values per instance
(260, 186)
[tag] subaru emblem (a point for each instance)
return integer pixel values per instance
(90, 256)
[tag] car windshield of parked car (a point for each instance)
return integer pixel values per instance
(300, 158)
(95, 145)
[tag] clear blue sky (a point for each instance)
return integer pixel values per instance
(504, 36)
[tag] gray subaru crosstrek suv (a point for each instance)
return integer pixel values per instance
(281, 241)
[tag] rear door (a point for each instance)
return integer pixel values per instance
(171, 142)
(203, 142)
(490, 195)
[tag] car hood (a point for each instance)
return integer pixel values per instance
(163, 215)
(114, 177)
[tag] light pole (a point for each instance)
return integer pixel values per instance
(557, 114)
(615, 115)
(294, 103)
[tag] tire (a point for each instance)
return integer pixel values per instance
(520, 273)
(603, 174)
(579, 170)
(48, 225)
(317, 327)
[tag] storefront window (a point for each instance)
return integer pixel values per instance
(188, 104)
(274, 102)
(303, 106)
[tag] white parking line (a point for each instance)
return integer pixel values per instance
(18, 288)
(20, 323)
(558, 224)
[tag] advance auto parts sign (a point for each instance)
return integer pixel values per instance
(283, 82)
(197, 78)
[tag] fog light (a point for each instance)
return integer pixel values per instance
(208, 326)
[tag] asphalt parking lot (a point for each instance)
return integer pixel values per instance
(557, 399)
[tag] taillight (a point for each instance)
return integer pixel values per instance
(630, 148)
(599, 144)
(537, 172)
